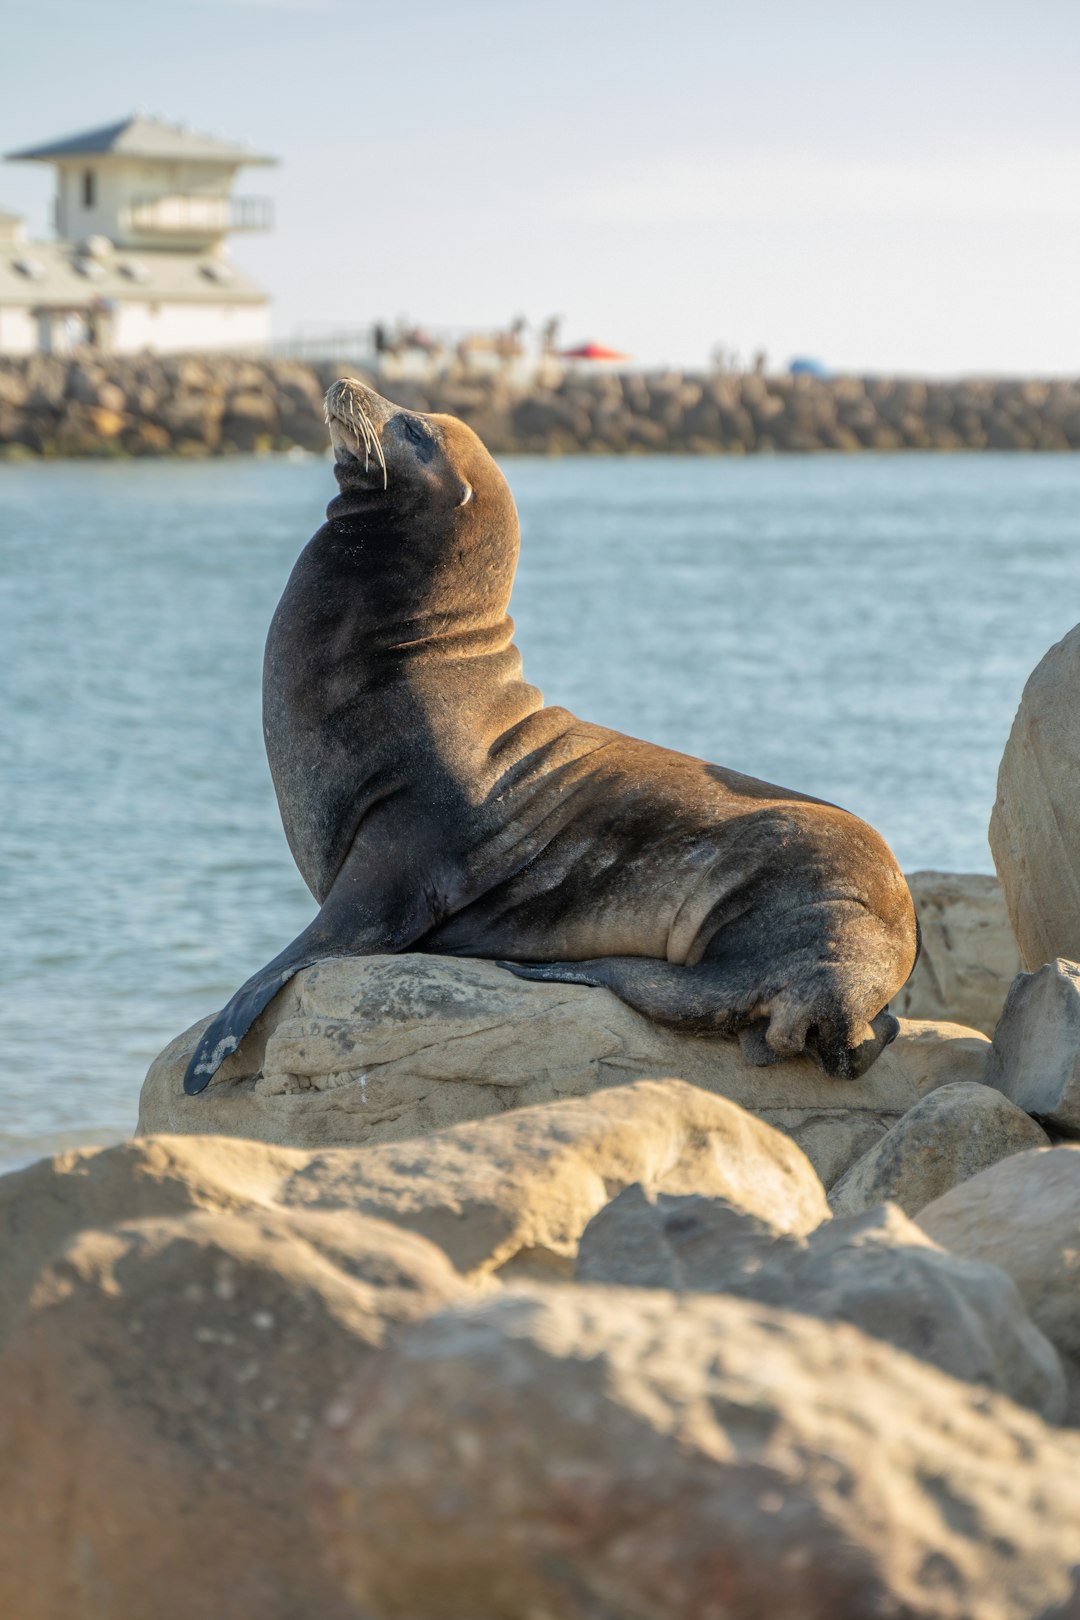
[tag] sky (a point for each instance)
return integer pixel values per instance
(887, 188)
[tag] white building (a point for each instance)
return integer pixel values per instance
(140, 261)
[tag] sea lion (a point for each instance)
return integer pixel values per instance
(433, 803)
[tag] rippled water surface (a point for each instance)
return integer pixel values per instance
(858, 628)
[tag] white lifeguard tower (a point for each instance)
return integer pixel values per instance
(143, 210)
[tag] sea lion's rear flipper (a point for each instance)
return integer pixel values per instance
(705, 1000)
(722, 998)
(374, 906)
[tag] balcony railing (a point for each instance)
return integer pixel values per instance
(188, 214)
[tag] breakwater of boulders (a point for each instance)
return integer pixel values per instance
(218, 405)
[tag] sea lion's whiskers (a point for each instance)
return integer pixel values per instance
(372, 443)
(357, 420)
(353, 413)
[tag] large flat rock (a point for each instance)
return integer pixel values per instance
(599, 1451)
(377, 1049)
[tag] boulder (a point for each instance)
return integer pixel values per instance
(934, 1053)
(513, 1191)
(1035, 1056)
(194, 416)
(250, 416)
(14, 391)
(513, 1195)
(599, 1451)
(376, 1049)
(84, 380)
(953, 1133)
(689, 1243)
(1070, 1609)
(1035, 825)
(111, 398)
(540, 412)
(146, 439)
(876, 1270)
(106, 424)
(1024, 1215)
(158, 1403)
(969, 956)
(48, 1203)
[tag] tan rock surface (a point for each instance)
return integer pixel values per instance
(877, 1270)
(43, 1206)
(1035, 825)
(519, 1188)
(952, 1134)
(969, 956)
(378, 1049)
(158, 1402)
(1070, 1609)
(1024, 1215)
(588, 1451)
(935, 1053)
(48, 1203)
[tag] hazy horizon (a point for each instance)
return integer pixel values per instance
(885, 193)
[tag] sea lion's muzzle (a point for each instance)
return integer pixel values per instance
(356, 416)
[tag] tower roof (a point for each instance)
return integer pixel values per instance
(61, 275)
(141, 137)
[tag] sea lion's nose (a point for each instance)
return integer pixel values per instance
(349, 399)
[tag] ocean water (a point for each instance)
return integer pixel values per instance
(858, 628)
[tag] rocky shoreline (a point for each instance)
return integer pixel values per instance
(219, 405)
(458, 1296)
(446, 1302)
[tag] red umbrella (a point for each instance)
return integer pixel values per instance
(592, 351)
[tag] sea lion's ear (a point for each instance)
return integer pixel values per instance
(466, 495)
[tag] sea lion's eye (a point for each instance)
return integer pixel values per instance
(419, 435)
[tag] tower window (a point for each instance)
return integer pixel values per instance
(89, 189)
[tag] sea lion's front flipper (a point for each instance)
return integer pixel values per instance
(234, 1020)
(375, 905)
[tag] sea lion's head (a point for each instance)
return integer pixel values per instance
(383, 450)
(423, 511)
